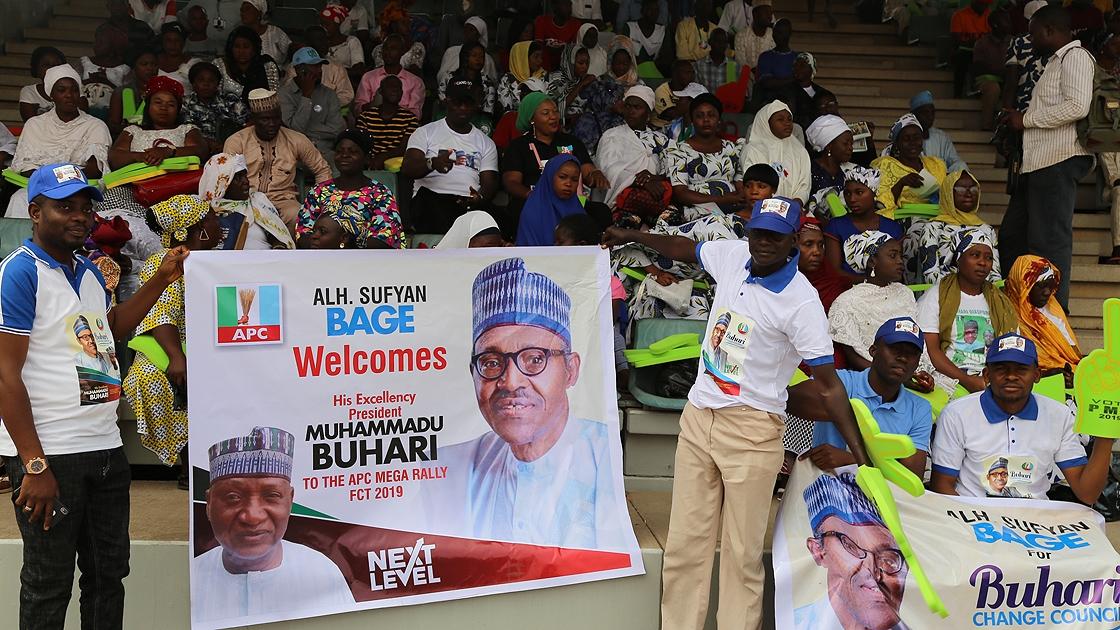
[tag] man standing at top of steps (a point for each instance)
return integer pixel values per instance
(1039, 218)
(730, 446)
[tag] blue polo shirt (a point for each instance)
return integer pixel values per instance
(71, 371)
(908, 414)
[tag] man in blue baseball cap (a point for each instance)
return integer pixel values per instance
(59, 437)
(894, 358)
(730, 449)
(308, 106)
(1004, 440)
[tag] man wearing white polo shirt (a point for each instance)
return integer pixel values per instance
(1002, 441)
(730, 447)
(59, 435)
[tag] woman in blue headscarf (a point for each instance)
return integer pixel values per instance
(554, 197)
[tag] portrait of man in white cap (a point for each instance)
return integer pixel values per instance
(90, 356)
(253, 570)
(866, 576)
(539, 475)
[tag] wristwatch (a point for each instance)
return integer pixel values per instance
(35, 465)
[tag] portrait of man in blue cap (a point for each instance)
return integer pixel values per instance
(252, 570)
(540, 475)
(866, 570)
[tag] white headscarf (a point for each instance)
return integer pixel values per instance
(479, 25)
(465, 228)
(643, 92)
(788, 157)
(824, 130)
(596, 54)
(63, 71)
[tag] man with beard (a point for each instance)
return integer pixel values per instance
(866, 571)
(540, 475)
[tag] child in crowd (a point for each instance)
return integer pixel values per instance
(33, 100)
(105, 70)
(860, 185)
(215, 113)
(554, 197)
(388, 126)
(666, 106)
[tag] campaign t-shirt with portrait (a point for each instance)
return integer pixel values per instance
(770, 324)
(972, 330)
(71, 371)
(993, 453)
(471, 153)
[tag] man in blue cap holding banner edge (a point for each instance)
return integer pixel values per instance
(63, 450)
(1007, 427)
(730, 447)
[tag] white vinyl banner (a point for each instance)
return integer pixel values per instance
(995, 562)
(372, 429)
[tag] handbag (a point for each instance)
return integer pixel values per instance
(152, 191)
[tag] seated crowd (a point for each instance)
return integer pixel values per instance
(569, 136)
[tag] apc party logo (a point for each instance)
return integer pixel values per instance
(248, 314)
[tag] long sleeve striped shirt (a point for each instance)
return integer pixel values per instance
(1061, 98)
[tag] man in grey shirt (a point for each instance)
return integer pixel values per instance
(310, 107)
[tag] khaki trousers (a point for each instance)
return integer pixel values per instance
(726, 464)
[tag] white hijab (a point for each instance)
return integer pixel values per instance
(450, 61)
(788, 157)
(622, 156)
(47, 139)
(465, 228)
(596, 54)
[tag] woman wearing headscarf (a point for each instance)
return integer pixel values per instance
(804, 90)
(603, 109)
(631, 155)
(249, 218)
(343, 50)
(157, 391)
(474, 31)
(831, 140)
(705, 169)
(928, 247)
(275, 43)
(1031, 286)
(862, 216)
(538, 118)
(244, 66)
(908, 177)
(342, 227)
(828, 282)
(351, 189)
(569, 85)
(555, 196)
(472, 229)
(589, 37)
(772, 142)
(963, 313)
(858, 312)
(525, 63)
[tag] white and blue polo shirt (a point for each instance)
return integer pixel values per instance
(994, 453)
(759, 330)
(71, 371)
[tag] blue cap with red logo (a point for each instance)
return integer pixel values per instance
(59, 181)
(776, 214)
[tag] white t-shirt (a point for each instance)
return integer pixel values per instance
(972, 331)
(347, 53)
(71, 371)
(472, 153)
(770, 325)
(993, 453)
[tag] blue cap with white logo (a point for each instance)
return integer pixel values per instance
(307, 56)
(900, 330)
(776, 214)
(59, 181)
(1012, 348)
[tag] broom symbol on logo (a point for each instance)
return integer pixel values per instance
(246, 296)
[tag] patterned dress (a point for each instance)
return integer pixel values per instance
(162, 428)
(708, 173)
(375, 201)
(928, 250)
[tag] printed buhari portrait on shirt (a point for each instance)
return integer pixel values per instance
(724, 348)
(540, 474)
(95, 360)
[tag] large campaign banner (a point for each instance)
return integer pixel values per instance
(372, 429)
(995, 562)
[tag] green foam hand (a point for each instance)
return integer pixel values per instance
(1096, 385)
(885, 449)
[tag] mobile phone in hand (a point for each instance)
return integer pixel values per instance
(58, 509)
